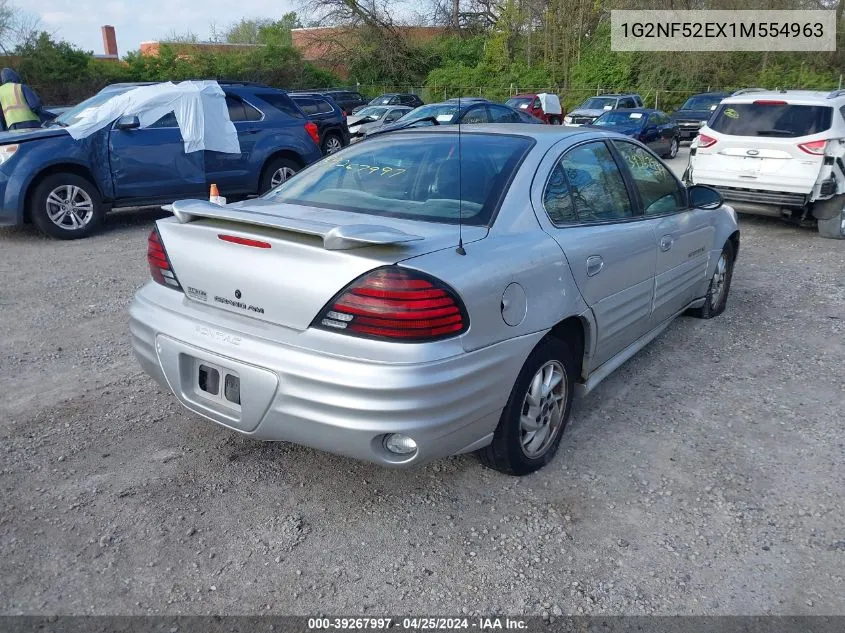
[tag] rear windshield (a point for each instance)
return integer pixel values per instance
(620, 117)
(775, 120)
(519, 102)
(702, 102)
(374, 111)
(443, 112)
(382, 100)
(599, 103)
(402, 176)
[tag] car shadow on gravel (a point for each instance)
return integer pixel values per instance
(119, 221)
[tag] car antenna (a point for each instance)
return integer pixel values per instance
(460, 250)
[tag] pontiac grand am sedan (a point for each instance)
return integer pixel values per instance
(430, 292)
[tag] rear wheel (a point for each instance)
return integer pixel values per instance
(720, 284)
(66, 206)
(673, 149)
(276, 172)
(332, 144)
(537, 411)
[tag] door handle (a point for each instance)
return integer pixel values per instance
(594, 265)
(666, 243)
(251, 131)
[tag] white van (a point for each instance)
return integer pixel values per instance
(777, 153)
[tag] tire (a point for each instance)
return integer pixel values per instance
(716, 298)
(508, 453)
(66, 206)
(331, 143)
(673, 148)
(277, 168)
(831, 227)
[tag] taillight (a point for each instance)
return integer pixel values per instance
(396, 304)
(706, 141)
(776, 102)
(816, 148)
(160, 268)
(311, 128)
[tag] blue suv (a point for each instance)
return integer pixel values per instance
(65, 186)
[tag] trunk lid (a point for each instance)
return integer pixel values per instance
(305, 257)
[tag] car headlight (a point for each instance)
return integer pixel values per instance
(702, 123)
(567, 119)
(6, 152)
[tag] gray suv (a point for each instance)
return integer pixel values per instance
(594, 107)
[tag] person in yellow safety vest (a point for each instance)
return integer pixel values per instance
(20, 105)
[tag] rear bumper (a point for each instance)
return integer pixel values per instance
(758, 201)
(332, 403)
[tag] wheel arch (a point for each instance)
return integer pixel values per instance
(282, 153)
(578, 333)
(58, 168)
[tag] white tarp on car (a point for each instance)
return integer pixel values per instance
(199, 107)
(550, 103)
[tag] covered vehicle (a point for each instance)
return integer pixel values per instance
(594, 107)
(428, 293)
(135, 145)
(695, 112)
(777, 153)
(469, 111)
(545, 107)
(652, 127)
(373, 117)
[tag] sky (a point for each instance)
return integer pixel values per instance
(136, 21)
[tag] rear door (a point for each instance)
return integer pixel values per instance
(682, 236)
(151, 164)
(651, 134)
(231, 172)
(764, 145)
(608, 245)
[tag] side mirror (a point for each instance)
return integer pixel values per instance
(704, 197)
(127, 123)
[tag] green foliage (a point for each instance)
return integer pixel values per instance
(64, 75)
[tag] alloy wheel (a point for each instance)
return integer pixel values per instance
(69, 207)
(333, 145)
(717, 285)
(543, 409)
(280, 176)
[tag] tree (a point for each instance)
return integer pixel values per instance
(16, 26)
(263, 31)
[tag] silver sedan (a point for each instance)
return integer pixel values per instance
(430, 292)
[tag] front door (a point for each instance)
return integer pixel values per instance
(609, 247)
(681, 235)
(151, 164)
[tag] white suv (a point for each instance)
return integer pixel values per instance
(778, 153)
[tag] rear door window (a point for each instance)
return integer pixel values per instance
(771, 119)
(322, 106)
(596, 184)
(241, 111)
(478, 114)
(500, 114)
(282, 102)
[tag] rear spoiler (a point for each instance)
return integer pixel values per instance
(335, 237)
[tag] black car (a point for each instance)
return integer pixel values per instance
(348, 100)
(696, 112)
(329, 117)
(394, 98)
(451, 112)
(651, 127)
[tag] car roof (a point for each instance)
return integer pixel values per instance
(618, 94)
(795, 97)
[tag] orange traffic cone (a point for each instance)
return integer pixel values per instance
(214, 195)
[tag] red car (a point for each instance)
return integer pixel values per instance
(545, 107)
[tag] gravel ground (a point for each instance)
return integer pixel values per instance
(706, 476)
